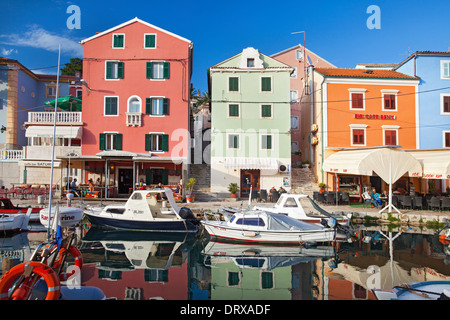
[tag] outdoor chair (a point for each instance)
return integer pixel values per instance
(275, 196)
(407, 202)
(263, 195)
(316, 195)
(255, 195)
(445, 204)
(395, 201)
(345, 198)
(12, 192)
(330, 198)
(435, 203)
(417, 203)
(27, 192)
(3, 193)
(321, 198)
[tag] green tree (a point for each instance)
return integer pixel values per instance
(75, 64)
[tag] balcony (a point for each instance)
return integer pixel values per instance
(12, 155)
(49, 118)
(134, 119)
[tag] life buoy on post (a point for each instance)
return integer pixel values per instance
(76, 254)
(50, 277)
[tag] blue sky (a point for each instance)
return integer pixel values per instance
(30, 31)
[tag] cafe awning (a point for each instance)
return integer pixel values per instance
(251, 163)
(435, 164)
(74, 132)
(377, 160)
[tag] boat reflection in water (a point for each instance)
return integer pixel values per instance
(137, 265)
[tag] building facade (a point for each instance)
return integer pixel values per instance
(136, 106)
(300, 94)
(250, 121)
(362, 109)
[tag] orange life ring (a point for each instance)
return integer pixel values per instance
(443, 239)
(76, 254)
(50, 277)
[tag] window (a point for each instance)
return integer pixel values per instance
(233, 111)
(445, 103)
(114, 70)
(358, 136)
(389, 100)
(158, 70)
(157, 142)
(446, 139)
(233, 141)
(266, 141)
(357, 99)
(266, 84)
(134, 105)
(233, 84)
(267, 281)
(290, 203)
(79, 94)
(251, 222)
(266, 111)
(111, 106)
(445, 69)
(294, 96)
(234, 279)
(250, 62)
(390, 137)
(157, 106)
(150, 41)
(118, 40)
(110, 141)
(294, 122)
(51, 91)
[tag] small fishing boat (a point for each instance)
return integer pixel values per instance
(7, 207)
(294, 204)
(265, 227)
(14, 223)
(425, 290)
(146, 210)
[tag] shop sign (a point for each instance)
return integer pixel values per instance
(436, 176)
(375, 116)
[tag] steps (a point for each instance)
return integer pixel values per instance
(303, 181)
(202, 189)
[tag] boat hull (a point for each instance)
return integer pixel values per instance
(13, 223)
(226, 233)
(168, 225)
(425, 290)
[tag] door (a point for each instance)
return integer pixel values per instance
(125, 180)
(249, 178)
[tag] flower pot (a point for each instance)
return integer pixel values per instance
(234, 195)
(190, 199)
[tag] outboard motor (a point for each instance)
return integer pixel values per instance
(187, 214)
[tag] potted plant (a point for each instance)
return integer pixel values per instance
(233, 188)
(305, 164)
(190, 187)
(322, 187)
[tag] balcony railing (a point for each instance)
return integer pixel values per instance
(133, 119)
(12, 155)
(48, 117)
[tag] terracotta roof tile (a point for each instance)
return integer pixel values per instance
(363, 73)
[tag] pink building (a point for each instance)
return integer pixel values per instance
(301, 122)
(136, 80)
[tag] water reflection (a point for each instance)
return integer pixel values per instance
(140, 265)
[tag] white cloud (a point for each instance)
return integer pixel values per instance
(37, 37)
(7, 52)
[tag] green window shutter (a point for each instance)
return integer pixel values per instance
(149, 70)
(165, 177)
(236, 142)
(119, 141)
(266, 84)
(166, 106)
(148, 176)
(266, 111)
(233, 110)
(111, 106)
(109, 70)
(233, 84)
(118, 41)
(165, 142)
(148, 106)
(120, 70)
(148, 142)
(268, 142)
(150, 40)
(102, 141)
(166, 70)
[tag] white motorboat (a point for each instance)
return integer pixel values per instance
(12, 223)
(265, 227)
(294, 204)
(145, 210)
(425, 290)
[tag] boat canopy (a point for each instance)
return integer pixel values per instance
(282, 222)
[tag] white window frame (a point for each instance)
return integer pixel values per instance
(104, 107)
(159, 150)
(271, 110)
(442, 69)
(390, 128)
(53, 88)
(443, 139)
(359, 127)
(271, 84)
(239, 84)
(228, 111)
(140, 104)
(156, 38)
(442, 104)
(112, 135)
(357, 90)
(118, 34)
(228, 141)
(116, 70)
(291, 98)
(261, 141)
(389, 92)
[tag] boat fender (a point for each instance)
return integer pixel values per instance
(21, 293)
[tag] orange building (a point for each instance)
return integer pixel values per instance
(362, 108)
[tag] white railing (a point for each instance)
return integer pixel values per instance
(12, 154)
(133, 119)
(48, 117)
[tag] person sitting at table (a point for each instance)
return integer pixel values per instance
(159, 186)
(141, 185)
(98, 183)
(91, 185)
(366, 197)
(281, 190)
(178, 188)
(375, 198)
(73, 187)
(384, 197)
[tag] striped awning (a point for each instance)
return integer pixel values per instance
(251, 163)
